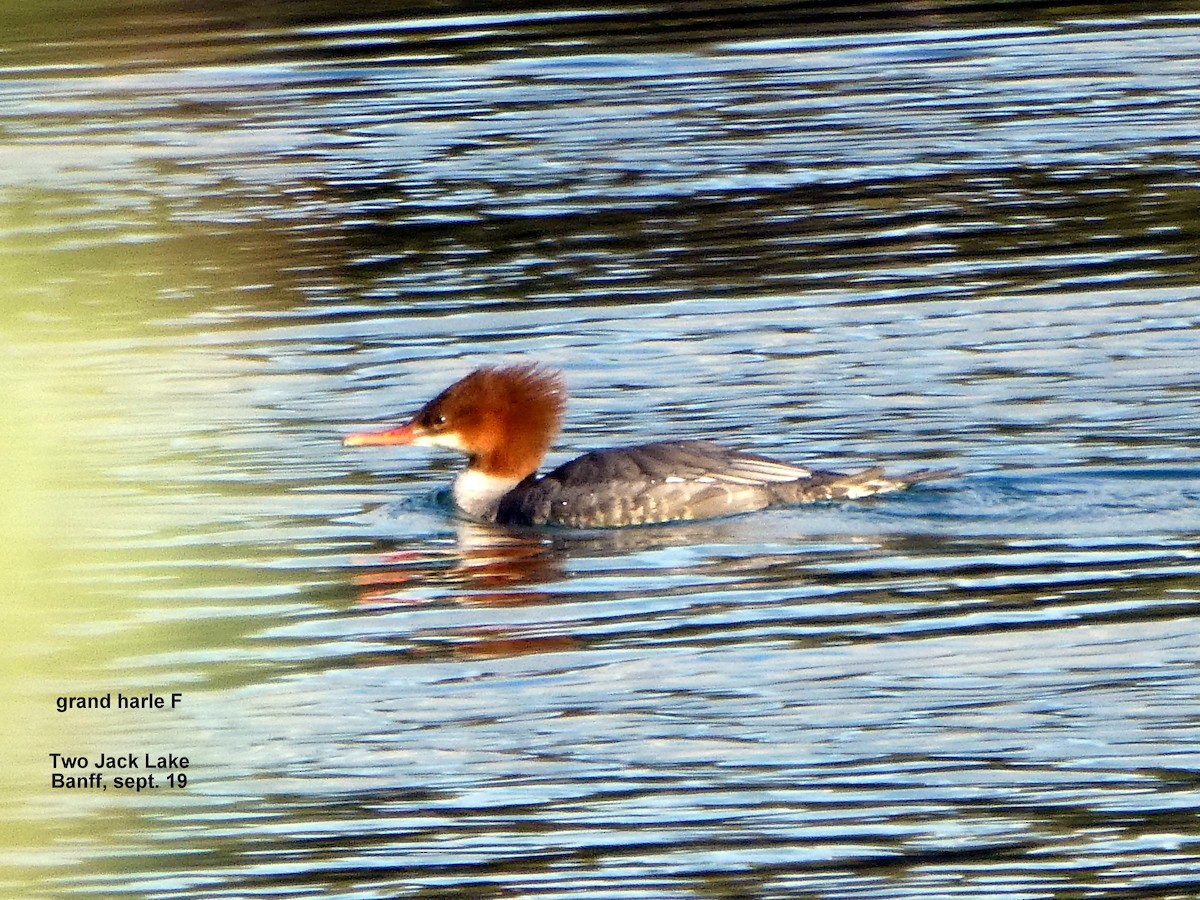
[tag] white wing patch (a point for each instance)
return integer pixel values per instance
(756, 471)
(738, 469)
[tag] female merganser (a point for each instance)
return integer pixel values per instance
(504, 420)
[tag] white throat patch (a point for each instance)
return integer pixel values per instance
(478, 494)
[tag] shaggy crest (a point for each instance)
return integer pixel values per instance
(508, 416)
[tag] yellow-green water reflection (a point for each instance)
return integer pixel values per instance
(67, 318)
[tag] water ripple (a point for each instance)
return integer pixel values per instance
(907, 239)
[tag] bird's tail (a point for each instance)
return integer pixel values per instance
(873, 481)
(918, 475)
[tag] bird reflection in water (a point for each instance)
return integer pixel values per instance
(484, 566)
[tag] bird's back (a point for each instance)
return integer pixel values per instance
(677, 481)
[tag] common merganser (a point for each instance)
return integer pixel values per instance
(505, 418)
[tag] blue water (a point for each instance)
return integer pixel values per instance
(914, 241)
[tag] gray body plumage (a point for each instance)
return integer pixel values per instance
(680, 480)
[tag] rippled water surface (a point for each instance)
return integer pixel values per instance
(228, 238)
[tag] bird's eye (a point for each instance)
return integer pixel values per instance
(438, 421)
